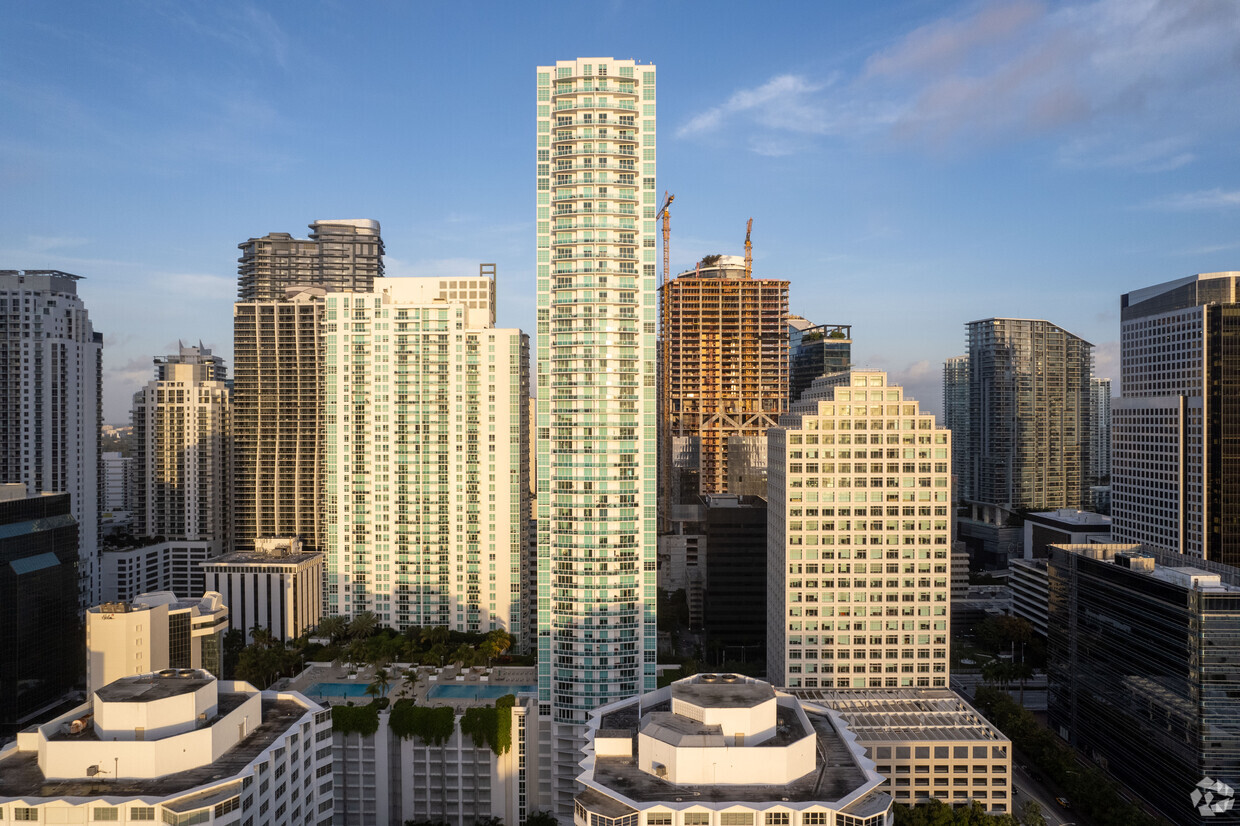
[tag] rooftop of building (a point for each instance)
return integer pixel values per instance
(836, 773)
(1201, 575)
(43, 273)
(259, 558)
(1145, 293)
(146, 688)
(209, 602)
(20, 776)
(723, 694)
(1069, 518)
(921, 714)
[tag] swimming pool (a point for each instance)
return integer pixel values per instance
(475, 691)
(337, 690)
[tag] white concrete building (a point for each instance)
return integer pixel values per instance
(426, 438)
(386, 780)
(175, 565)
(725, 750)
(117, 478)
(277, 586)
(596, 203)
(858, 547)
(153, 632)
(1100, 431)
(928, 743)
(51, 402)
(182, 442)
(174, 747)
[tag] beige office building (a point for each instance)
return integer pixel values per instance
(859, 562)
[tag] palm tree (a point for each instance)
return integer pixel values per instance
(381, 683)
(435, 634)
(496, 642)
(363, 625)
(333, 627)
(463, 655)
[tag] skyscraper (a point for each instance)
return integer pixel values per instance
(815, 350)
(340, 255)
(182, 439)
(277, 420)
(857, 541)
(427, 429)
(1175, 476)
(1100, 431)
(1028, 414)
(1141, 653)
(51, 411)
(956, 418)
(596, 435)
(39, 652)
(727, 361)
(278, 364)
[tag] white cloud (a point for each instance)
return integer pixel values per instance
(1207, 199)
(197, 285)
(1112, 78)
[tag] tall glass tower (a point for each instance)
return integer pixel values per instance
(596, 418)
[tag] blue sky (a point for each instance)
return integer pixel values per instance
(909, 166)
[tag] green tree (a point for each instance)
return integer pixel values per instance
(381, 683)
(540, 818)
(435, 634)
(1031, 814)
(464, 655)
(363, 625)
(494, 644)
(334, 627)
(234, 644)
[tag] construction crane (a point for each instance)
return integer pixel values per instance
(665, 383)
(666, 215)
(748, 250)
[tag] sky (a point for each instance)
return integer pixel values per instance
(909, 165)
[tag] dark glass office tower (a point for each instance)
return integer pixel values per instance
(41, 654)
(1143, 667)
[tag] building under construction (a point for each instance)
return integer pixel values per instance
(726, 357)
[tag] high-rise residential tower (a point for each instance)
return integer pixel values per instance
(858, 555)
(956, 418)
(727, 360)
(1100, 431)
(51, 410)
(182, 440)
(278, 365)
(596, 434)
(427, 429)
(815, 350)
(277, 420)
(340, 255)
(1175, 476)
(1028, 415)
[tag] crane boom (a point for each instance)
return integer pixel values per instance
(748, 250)
(666, 215)
(664, 402)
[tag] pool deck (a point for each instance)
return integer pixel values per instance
(406, 680)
